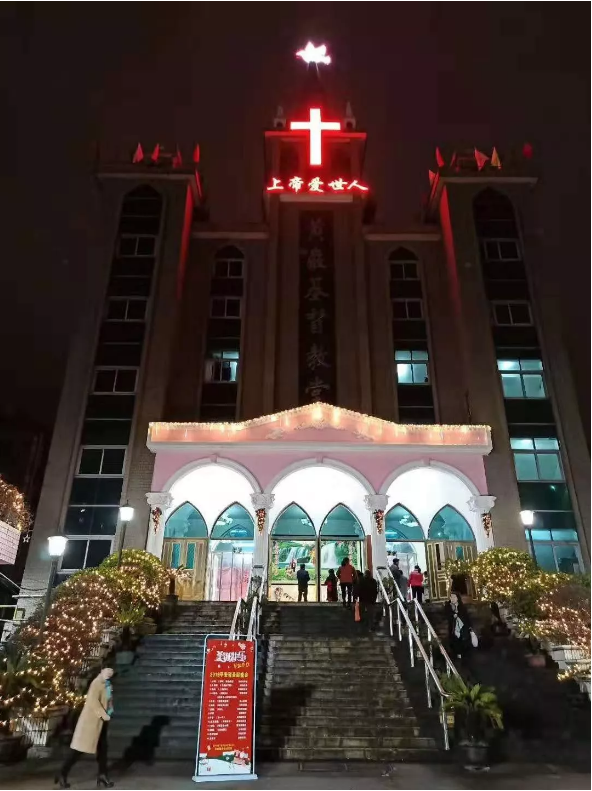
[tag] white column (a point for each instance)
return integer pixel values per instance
(158, 502)
(262, 503)
(376, 504)
(481, 504)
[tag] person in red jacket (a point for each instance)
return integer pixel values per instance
(416, 584)
(346, 574)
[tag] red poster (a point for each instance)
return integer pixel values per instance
(225, 745)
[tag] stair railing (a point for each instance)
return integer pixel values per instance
(414, 643)
(419, 618)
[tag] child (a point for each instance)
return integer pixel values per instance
(331, 583)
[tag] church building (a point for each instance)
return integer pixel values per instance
(316, 386)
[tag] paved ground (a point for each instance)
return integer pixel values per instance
(172, 776)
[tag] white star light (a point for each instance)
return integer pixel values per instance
(312, 54)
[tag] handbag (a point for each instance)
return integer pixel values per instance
(474, 639)
(357, 616)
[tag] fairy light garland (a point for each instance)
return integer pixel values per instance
(13, 507)
(81, 609)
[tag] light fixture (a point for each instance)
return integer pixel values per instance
(126, 513)
(527, 518)
(57, 546)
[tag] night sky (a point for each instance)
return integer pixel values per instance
(418, 75)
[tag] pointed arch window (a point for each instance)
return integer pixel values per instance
(234, 522)
(401, 525)
(185, 522)
(450, 525)
(228, 262)
(293, 522)
(340, 522)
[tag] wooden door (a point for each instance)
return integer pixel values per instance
(191, 554)
(437, 553)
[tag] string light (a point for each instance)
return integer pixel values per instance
(318, 413)
(13, 507)
(82, 608)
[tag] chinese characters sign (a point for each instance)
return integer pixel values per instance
(317, 308)
(225, 745)
(316, 185)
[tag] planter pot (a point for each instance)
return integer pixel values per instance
(10, 747)
(474, 754)
(38, 730)
(124, 658)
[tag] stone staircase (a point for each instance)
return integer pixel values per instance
(158, 698)
(544, 719)
(330, 691)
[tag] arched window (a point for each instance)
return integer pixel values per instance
(185, 522)
(449, 525)
(495, 222)
(401, 525)
(234, 522)
(293, 522)
(403, 264)
(139, 224)
(341, 523)
(228, 262)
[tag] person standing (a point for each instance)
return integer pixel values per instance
(303, 578)
(90, 734)
(459, 626)
(399, 578)
(346, 574)
(416, 584)
(331, 584)
(368, 593)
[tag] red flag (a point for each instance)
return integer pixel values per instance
(155, 153)
(495, 160)
(432, 176)
(138, 155)
(481, 159)
(196, 153)
(177, 160)
(439, 159)
(527, 151)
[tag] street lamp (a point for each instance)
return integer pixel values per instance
(56, 548)
(527, 518)
(126, 514)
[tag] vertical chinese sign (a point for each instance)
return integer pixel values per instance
(225, 744)
(317, 308)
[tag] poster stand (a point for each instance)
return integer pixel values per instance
(226, 736)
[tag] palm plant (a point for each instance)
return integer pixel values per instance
(475, 707)
(128, 617)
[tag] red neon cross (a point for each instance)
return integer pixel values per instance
(316, 127)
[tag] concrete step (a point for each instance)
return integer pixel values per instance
(345, 754)
(315, 742)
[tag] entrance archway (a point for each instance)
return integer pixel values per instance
(449, 538)
(341, 536)
(293, 542)
(231, 554)
(185, 547)
(404, 539)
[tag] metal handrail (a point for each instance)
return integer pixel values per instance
(413, 637)
(432, 634)
(253, 629)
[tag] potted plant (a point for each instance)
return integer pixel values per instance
(476, 714)
(127, 617)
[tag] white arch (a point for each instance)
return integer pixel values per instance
(320, 462)
(317, 487)
(425, 489)
(223, 462)
(412, 465)
(211, 488)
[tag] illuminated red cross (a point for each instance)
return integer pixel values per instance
(316, 127)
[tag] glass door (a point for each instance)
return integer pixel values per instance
(230, 567)
(333, 552)
(286, 557)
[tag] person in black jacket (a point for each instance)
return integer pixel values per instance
(367, 594)
(303, 578)
(459, 626)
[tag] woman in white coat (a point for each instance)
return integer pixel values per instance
(90, 734)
